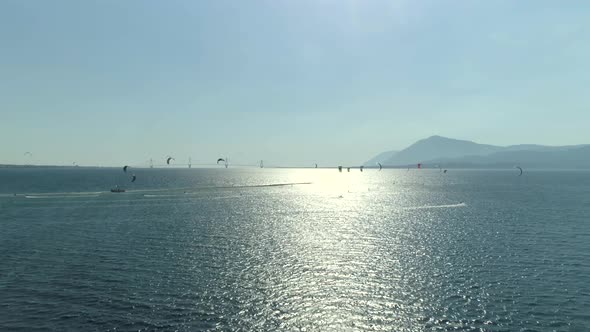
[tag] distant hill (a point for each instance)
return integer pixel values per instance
(449, 152)
(381, 158)
(438, 147)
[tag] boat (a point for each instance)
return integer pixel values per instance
(117, 190)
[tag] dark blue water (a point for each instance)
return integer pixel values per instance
(221, 249)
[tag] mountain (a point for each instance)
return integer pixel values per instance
(574, 158)
(381, 158)
(460, 153)
(438, 147)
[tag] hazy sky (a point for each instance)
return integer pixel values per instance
(291, 82)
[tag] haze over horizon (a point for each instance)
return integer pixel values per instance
(293, 83)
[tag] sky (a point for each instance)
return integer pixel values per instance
(291, 82)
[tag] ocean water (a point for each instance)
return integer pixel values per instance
(288, 249)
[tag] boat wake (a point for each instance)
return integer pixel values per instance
(58, 196)
(164, 192)
(444, 206)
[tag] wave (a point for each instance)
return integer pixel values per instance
(192, 190)
(59, 196)
(270, 185)
(187, 191)
(71, 193)
(444, 206)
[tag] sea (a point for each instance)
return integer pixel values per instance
(294, 250)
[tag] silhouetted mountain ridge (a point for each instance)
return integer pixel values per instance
(449, 152)
(381, 158)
